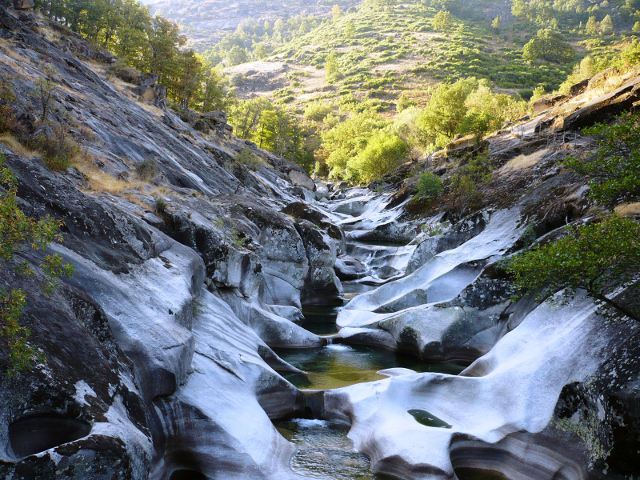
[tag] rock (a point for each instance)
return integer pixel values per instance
(23, 4)
(301, 179)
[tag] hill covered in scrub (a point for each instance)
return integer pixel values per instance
(206, 22)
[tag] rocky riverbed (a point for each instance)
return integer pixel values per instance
(179, 349)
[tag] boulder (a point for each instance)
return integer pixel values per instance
(24, 4)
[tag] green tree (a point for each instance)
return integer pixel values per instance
(548, 45)
(383, 153)
(442, 20)
(236, 56)
(636, 27)
(614, 169)
(593, 257)
(18, 234)
(592, 28)
(336, 12)
(332, 68)
(606, 25)
(347, 139)
(496, 23)
(429, 186)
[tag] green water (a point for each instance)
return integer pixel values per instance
(336, 366)
(320, 320)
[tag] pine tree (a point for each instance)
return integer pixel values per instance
(606, 26)
(592, 26)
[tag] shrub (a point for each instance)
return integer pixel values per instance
(548, 45)
(614, 169)
(383, 153)
(20, 233)
(593, 257)
(7, 115)
(56, 146)
(429, 186)
(147, 170)
(249, 159)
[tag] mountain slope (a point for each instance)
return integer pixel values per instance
(207, 21)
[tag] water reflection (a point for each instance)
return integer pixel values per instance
(336, 366)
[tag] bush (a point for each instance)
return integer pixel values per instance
(147, 170)
(249, 159)
(56, 146)
(384, 152)
(594, 257)
(18, 234)
(548, 45)
(7, 115)
(429, 186)
(614, 169)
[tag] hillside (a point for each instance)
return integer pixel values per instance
(383, 51)
(177, 303)
(206, 21)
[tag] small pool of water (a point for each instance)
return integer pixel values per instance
(336, 366)
(324, 451)
(320, 319)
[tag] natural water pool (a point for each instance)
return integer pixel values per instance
(323, 450)
(337, 365)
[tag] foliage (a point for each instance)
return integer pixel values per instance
(347, 139)
(19, 233)
(463, 187)
(593, 257)
(249, 159)
(442, 20)
(548, 45)
(273, 128)
(7, 98)
(332, 68)
(383, 153)
(464, 107)
(150, 44)
(56, 145)
(429, 186)
(614, 169)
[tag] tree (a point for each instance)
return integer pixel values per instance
(384, 152)
(606, 26)
(593, 257)
(496, 23)
(216, 91)
(636, 27)
(429, 186)
(347, 139)
(19, 234)
(236, 56)
(548, 45)
(591, 28)
(336, 12)
(189, 76)
(614, 169)
(442, 20)
(332, 68)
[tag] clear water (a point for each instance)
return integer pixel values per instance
(324, 451)
(336, 366)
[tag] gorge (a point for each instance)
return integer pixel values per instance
(238, 320)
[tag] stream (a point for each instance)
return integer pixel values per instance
(323, 449)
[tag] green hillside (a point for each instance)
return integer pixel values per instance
(384, 48)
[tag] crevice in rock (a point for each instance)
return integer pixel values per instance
(37, 433)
